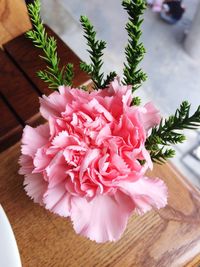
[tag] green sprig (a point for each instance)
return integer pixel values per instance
(166, 133)
(96, 53)
(136, 101)
(134, 50)
(161, 154)
(53, 74)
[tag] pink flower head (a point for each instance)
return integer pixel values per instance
(85, 163)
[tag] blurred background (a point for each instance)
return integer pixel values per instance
(171, 61)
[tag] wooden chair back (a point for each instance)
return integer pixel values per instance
(19, 61)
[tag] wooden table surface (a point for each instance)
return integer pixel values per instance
(168, 238)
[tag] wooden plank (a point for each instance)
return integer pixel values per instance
(168, 238)
(18, 91)
(10, 128)
(22, 51)
(14, 19)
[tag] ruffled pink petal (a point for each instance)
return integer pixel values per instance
(80, 95)
(89, 157)
(57, 200)
(105, 132)
(26, 163)
(147, 157)
(120, 91)
(35, 186)
(55, 103)
(150, 116)
(63, 140)
(34, 138)
(53, 127)
(56, 170)
(122, 97)
(127, 98)
(102, 219)
(41, 160)
(119, 164)
(94, 104)
(146, 193)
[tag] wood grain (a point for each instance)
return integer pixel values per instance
(168, 238)
(14, 19)
(26, 56)
(10, 128)
(18, 91)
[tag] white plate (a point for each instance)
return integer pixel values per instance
(9, 254)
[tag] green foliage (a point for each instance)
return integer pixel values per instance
(136, 101)
(96, 48)
(109, 78)
(161, 154)
(166, 133)
(134, 50)
(52, 74)
(69, 74)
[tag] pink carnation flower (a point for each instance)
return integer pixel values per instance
(85, 163)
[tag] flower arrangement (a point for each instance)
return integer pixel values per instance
(89, 161)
